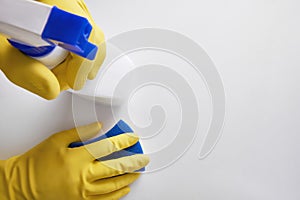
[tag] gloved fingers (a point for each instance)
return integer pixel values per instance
(64, 138)
(110, 168)
(108, 185)
(107, 146)
(27, 72)
(97, 37)
(111, 196)
(73, 71)
(85, 10)
(60, 73)
(88, 131)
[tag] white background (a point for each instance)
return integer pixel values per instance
(255, 45)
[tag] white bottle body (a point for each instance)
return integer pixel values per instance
(54, 58)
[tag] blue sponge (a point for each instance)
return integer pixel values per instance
(120, 128)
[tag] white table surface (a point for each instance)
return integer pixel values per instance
(255, 46)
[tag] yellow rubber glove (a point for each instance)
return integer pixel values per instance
(52, 171)
(72, 73)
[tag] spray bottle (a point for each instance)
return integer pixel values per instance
(47, 33)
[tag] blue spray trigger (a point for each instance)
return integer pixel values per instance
(120, 128)
(69, 31)
(30, 50)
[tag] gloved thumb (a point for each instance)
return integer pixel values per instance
(81, 133)
(27, 72)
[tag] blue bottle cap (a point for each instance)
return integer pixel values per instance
(69, 31)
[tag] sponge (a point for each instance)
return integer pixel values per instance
(120, 128)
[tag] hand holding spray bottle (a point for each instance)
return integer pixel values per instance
(48, 34)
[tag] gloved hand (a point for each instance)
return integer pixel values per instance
(72, 73)
(53, 171)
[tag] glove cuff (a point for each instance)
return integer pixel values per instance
(4, 191)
